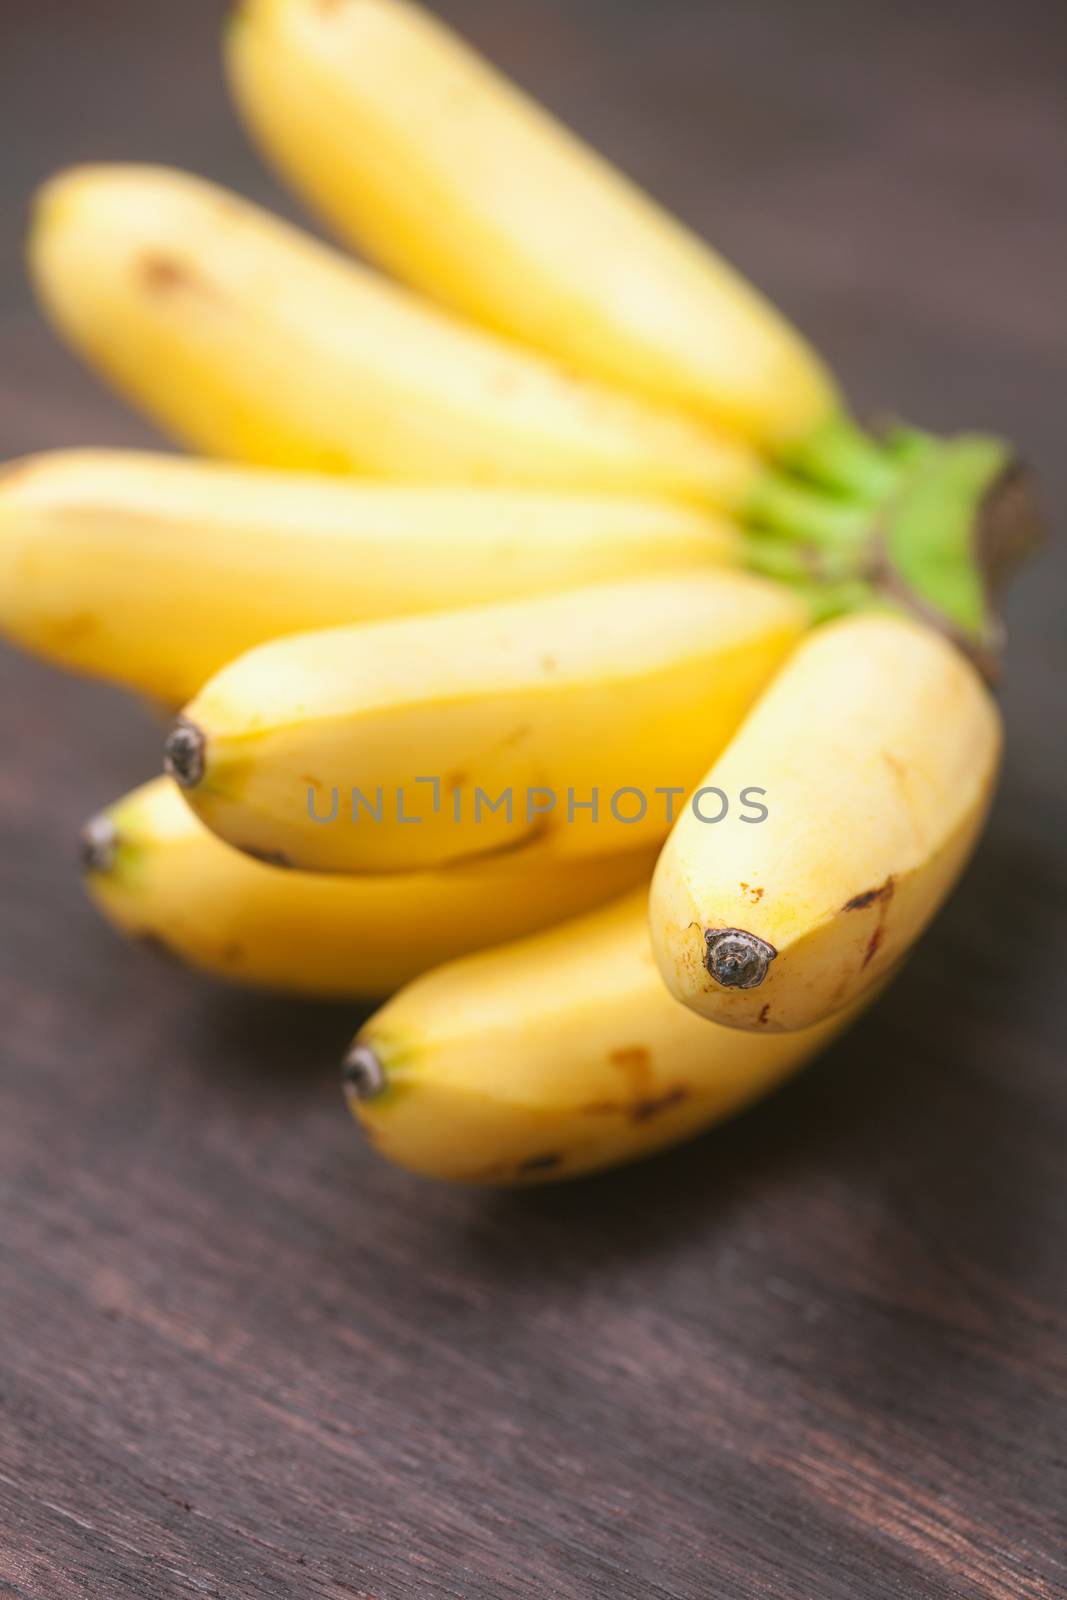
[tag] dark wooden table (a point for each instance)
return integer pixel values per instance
(819, 1354)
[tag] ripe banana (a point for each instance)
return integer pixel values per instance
(423, 155)
(156, 873)
(878, 748)
(127, 565)
(393, 746)
(554, 1056)
(248, 339)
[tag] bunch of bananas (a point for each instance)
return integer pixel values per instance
(563, 512)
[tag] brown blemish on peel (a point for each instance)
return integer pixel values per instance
(755, 895)
(454, 781)
(541, 1163)
(151, 940)
(642, 1102)
(875, 944)
(765, 1013)
(643, 1110)
(860, 902)
(638, 1110)
(165, 274)
(635, 1055)
(71, 629)
(635, 1063)
(269, 858)
(233, 953)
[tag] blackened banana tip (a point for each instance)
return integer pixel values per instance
(362, 1074)
(183, 753)
(737, 959)
(98, 844)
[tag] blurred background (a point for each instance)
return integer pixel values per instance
(864, 1277)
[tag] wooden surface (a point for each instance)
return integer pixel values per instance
(820, 1354)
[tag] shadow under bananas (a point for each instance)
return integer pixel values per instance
(876, 1228)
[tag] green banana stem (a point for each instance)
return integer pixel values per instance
(961, 519)
(960, 527)
(909, 447)
(795, 511)
(859, 476)
(829, 600)
(842, 458)
(793, 562)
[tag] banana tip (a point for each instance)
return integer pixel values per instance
(737, 959)
(362, 1074)
(183, 753)
(98, 844)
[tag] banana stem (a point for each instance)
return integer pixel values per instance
(909, 447)
(792, 562)
(941, 547)
(825, 601)
(843, 458)
(951, 532)
(796, 512)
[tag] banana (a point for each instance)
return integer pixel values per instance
(878, 749)
(156, 873)
(127, 565)
(249, 340)
(554, 1056)
(419, 152)
(399, 745)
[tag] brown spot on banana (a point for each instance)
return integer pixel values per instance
(645, 1110)
(78, 626)
(635, 1064)
(860, 902)
(165, 274)
(539, 1163)
(154, 941)
(269, 858)
(873, 947)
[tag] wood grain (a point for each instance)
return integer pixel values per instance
(819, 1355)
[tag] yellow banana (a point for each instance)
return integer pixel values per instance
(155, 571)
(878, 749)
(396, 745)
(422, 154)
(554, 1056)
(248, 339)
(156, 873)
